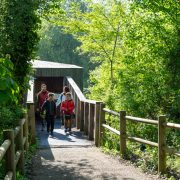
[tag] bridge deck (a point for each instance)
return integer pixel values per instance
(60, 138)
(71, 157)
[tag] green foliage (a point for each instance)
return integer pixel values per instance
(18, 25)
(8, 87)
(55, 45)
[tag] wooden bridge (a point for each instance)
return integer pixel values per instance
(90, 126)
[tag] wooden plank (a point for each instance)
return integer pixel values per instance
(123, 133)
(111, 129)
(77, 90)
(111, 112)
(31, 122)
(140, 140)
(86, 117)
(30, 94)
(20, 147)
(4, 147)
(102, 121)
(161, 145)
(97, 122)
(10, 155)
(17, 156)
(172, 125)
(91, 122)
(26, 133)
(16, 131)
(81, 115)
(136, 119)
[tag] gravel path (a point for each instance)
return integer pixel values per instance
(71, 162)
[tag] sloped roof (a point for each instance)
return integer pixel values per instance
(56, 65)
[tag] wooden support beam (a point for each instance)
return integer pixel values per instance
(161, 145)
(91, 121)
(10, 154)
(97, 122)
(86, 117)
(81, 115)
(122, 133)
(102, 121)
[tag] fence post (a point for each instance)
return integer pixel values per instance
(78, 114)
(10, 154)
(97, 121)
(91, 122)
(82, 116)
(122, 133)
(26, 132)
(161, 144)
(86, 117)
(31, 117)
(20, 147)
(101, 121)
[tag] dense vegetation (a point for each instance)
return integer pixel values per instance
(57, 46)
(133, 48)
(18, 38)
(136, 46)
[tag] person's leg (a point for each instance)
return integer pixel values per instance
(52, 124)
(70, 124)
(48, 120)
(65, 124)
(62, 120)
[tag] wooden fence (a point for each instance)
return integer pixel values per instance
(16, 141)
(90, 118)
(13, 148)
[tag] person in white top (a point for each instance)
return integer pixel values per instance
(61, 98)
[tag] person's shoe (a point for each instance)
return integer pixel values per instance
(52, 134)
(65, 130)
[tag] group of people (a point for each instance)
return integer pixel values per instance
(47, 108)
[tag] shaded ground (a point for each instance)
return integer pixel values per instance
(70, 157)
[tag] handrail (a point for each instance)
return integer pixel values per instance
(15, 139)
(172, 125)
(111, 112)
(30, 93)
(111, 129)
(76, 89)
(136, 119)
(4, 147)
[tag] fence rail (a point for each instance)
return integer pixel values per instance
(13, 148)
(90, 118)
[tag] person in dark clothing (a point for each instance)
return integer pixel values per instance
(49, 109)
(41, 98)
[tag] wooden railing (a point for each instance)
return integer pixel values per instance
(90, 118)
(16, 141)
(13, 148)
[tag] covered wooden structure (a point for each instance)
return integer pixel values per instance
(53, 75)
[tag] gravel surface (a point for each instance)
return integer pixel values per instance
(71, 157)
(82, 163)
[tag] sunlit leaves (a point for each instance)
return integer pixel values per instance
(8, 87)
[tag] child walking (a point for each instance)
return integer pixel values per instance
(50, 112)
(67, 107)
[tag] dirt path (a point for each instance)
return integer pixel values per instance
(76, 158)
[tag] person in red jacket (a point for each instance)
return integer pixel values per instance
(42, 96)
(67, 107)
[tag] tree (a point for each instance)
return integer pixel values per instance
(19, 22)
